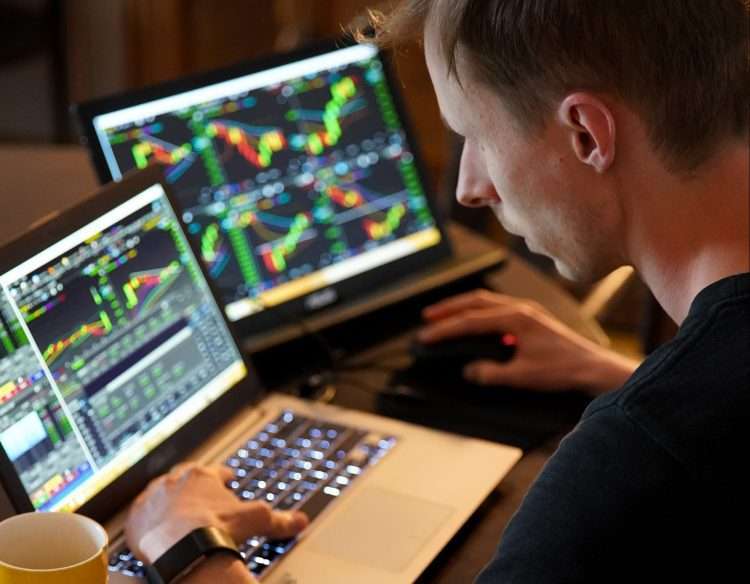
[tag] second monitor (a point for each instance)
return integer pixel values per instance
(297, 178)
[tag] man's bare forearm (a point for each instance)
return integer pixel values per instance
(604, 371)
(221, 568)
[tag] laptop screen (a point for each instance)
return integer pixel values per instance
(291, 179)
(110, 342)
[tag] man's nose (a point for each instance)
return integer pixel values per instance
(474, 188)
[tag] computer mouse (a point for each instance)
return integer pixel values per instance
(455, 354)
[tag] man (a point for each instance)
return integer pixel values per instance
(604, 133)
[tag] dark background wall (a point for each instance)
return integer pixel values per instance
(57, 52)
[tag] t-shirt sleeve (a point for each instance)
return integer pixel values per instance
(606, 478)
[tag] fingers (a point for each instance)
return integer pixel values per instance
(225, 473)
(472, 322)
(180, 471)
(287, 524)
(478, 299)
(186, 470)
(493, 373)
(257, 518)
(149, 490)
(470, 300)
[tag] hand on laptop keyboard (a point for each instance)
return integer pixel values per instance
(193, 496)
(279, 479)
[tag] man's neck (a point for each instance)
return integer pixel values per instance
(686, 234)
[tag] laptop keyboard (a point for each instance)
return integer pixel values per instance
(297, 463)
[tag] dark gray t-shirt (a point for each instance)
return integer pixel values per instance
(651, 484)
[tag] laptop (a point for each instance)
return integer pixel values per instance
(117, 362)
(297, 177)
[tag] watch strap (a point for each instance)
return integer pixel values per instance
(190, 550)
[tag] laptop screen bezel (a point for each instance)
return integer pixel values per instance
(350, 289)
(175, 448)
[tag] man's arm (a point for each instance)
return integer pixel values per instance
(190, 497)
(549, 357)
(222, 569)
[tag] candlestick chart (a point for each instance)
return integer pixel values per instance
(129, 297)
(116, 286)
(282, 181)
(101, 342)
(34, 431)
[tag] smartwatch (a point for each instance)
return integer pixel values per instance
(190, 551)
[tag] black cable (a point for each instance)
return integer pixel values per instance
(317, 386)
(322, 385)
(399, 391)
(377, 362)
(307, 331)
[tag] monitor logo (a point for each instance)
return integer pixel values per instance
(321, 299)
(161, 461)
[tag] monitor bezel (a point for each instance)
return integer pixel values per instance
(345, 291)
(174, 449)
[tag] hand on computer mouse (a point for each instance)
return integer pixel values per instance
(549, 356)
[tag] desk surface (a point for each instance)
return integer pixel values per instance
(37, 180)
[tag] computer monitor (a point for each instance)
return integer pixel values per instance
(297, 177)
(110, 343)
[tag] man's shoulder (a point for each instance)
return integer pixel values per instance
(692, 396)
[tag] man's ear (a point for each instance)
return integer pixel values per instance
(592, 129)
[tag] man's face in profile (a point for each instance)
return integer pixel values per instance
(532, 181)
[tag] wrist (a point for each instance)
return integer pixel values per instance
(605, 370)
(191, 552)
(219, 568)
(166, 534)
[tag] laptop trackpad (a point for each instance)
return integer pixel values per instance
(380, 528)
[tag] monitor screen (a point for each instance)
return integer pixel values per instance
(110, 342)
(290, 179)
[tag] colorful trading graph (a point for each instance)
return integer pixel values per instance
(117, 286)
(161, 152)
(34, 431)
(284, 180)
(377, 230)
(143, 289)
(258, 150)
(276, 253)
(214, 250)
(12, 342)
(98, 328)
(120, 330)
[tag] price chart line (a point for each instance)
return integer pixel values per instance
(31, 315)
(275, 254)
(377, 230)
(257, 150)
(153, 282)
(98, 328)
(214, 250)
(371, 207)
(178, 158)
